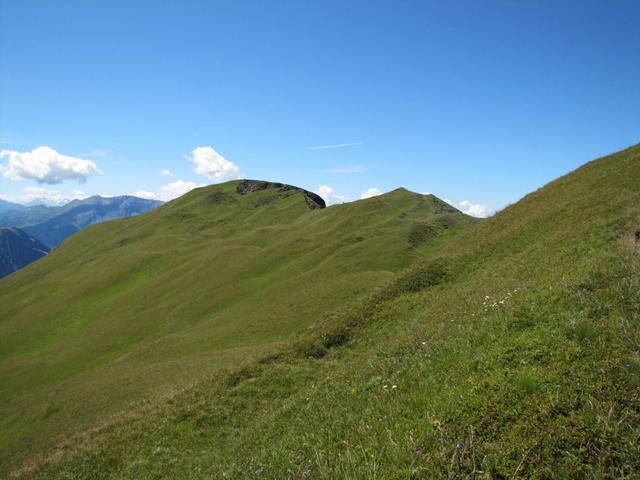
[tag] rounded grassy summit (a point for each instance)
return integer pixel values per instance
(136, 309)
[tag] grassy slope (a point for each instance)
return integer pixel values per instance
(512, 353)
(138, 308)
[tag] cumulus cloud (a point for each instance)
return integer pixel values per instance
(330, 196)
(169, 191)
(44, 196)
(146, 194)
(212, 165)
(166, 173)
(371, 192)
(45, 165)
(474, 209)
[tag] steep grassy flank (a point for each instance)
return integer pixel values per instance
(139, 308)
(513, 353)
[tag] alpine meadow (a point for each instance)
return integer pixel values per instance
(417, 342)
(320, 240)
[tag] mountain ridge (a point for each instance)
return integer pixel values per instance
(189, 288)
(79, 214)
(18, 249)
(6, 206)
(497, 345)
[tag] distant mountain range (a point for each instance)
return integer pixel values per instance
(18, 249)
(52, 225)
(7, 206)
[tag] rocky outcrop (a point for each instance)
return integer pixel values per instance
(312, 200)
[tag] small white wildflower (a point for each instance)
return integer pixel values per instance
(394, 386)
(424, 343)
(386, 386)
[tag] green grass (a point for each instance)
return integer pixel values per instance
(509, 348)
(135, 310)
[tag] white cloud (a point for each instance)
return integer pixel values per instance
(337, 145)
(44, 196)
(371, 192)
(146, 194)
(329, 196)
(177, 189)
(351, 169)
(214, 166)
(45, 165)
(166, 173)
(169, 191)
(474, 209)
(332, 198)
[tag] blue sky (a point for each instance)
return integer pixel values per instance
(476, 101)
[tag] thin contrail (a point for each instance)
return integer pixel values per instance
(338, 145)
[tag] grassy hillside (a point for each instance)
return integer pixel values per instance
(138, 309)
(511, 353)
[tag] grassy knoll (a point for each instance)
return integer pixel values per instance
(135, 310)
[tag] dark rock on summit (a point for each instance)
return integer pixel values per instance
(312, 200)
(248, 186)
